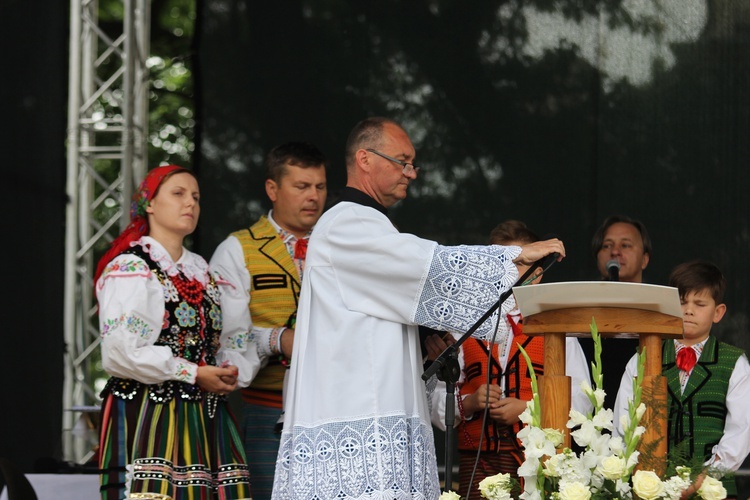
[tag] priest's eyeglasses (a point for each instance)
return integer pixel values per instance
(407, 167)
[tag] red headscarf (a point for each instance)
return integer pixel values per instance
(138, 219)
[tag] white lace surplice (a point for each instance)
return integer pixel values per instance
(356, 418)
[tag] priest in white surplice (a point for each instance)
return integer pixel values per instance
(356, 420)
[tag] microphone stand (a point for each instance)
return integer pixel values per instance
(446, 366)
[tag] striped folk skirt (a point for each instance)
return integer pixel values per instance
(174, 450)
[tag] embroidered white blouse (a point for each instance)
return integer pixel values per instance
(131, 312)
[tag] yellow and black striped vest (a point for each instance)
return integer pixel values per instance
(274, 296)
(698, 415)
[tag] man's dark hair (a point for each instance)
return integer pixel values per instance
(512, 231)
(297, 154)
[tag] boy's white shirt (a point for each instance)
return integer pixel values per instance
(734, 445)
(575, 367)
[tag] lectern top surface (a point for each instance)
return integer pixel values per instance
(533, 299)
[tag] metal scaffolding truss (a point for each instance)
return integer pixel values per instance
(106, 157)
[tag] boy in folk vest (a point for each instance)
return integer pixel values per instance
(708, 380)
(510, 386)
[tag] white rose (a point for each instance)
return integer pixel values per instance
(612, 467)
(712, 489)
(496, 487)
(574, 491)
(554, 436)
(449, 495)
(647, 485)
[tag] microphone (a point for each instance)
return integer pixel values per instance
(613, 270)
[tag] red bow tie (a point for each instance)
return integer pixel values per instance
(517, 328)
(300, 249)
(686, 359)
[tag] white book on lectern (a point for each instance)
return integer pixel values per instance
(533, 299)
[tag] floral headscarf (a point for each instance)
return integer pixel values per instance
(138, 219)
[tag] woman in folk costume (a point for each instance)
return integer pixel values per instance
(166, 429)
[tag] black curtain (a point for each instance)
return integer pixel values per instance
(33, 98)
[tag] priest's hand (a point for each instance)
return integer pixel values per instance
(435, 344)
(532, 252)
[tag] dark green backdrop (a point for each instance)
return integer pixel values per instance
(556, 113)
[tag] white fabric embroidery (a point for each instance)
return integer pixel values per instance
(460, 280)
(369, 458)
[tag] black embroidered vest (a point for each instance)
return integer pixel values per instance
(191, 333)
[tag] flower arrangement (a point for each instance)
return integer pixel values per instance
(605, 467)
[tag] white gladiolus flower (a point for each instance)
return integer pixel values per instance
(529, 468)
(576, 418)
(599, 394)
(616, 445)
(603, 419)
(623, 488)
(586, 388)
(525, 416)
(624, 421)
(531, 495)
(585, 434)
(640, 411)
(537, 445)
(633, 459)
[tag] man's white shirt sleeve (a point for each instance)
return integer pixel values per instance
(228, 267)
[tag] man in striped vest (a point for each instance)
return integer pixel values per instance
(265, 263)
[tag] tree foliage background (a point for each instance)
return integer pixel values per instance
(558, 113)
(555, 112)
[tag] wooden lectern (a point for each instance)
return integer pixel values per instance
(621, 310)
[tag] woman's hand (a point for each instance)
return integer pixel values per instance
(218, 379)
